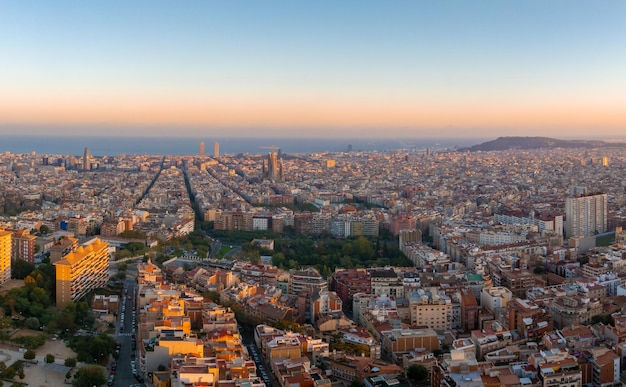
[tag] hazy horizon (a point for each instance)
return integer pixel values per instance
(95, 131)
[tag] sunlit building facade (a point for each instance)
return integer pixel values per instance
(82, 270)
(5, 256)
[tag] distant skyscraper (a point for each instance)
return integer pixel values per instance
(201, 148)
(586, 215)
(605, 161)
(273, 167)
(86, 160)
(216, 149)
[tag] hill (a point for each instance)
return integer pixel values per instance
(527, 143)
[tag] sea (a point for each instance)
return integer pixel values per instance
(113, 146)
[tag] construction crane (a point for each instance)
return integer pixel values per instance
(272, 147)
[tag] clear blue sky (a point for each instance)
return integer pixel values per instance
(341, 67)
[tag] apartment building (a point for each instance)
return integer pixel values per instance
(62, 247)
(469, 310)
(518, 281)
(457, 368)
(348, 368)
(557, 368)
(348, 282)
(431, 308)
(397, 342)
(386, 281)
(605, 367)
(531, 320)
(82, 270)
(568, 311)
(307, 278)
(495, 297)
(586, 215)
(5, 256)
(323, 303)
(23, 246)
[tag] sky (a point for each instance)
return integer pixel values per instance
(314, 68)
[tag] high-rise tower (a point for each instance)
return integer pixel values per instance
(586, 215)
(216, 149)
(86, 160)
(201, 148)
(82, 270)
(5, 255)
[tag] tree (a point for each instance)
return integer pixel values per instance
(132, 234)
(604, 319)
(89, 375)
(213, 296)
(29, 281)
(278, 259)
(9, 373)
(38, 295)
(70, 362)
(29, 355)
(20, 268)
(363, 248)
(49, 358)
(91, 349)
(417, 372)
(32, 323)
(30, 342)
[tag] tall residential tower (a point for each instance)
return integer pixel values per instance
(585, 215)
(82, 270)
(5, 255)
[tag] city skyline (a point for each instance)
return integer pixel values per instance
(417, 69)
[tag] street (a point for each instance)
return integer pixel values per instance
(263, 370)
(123, 335)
